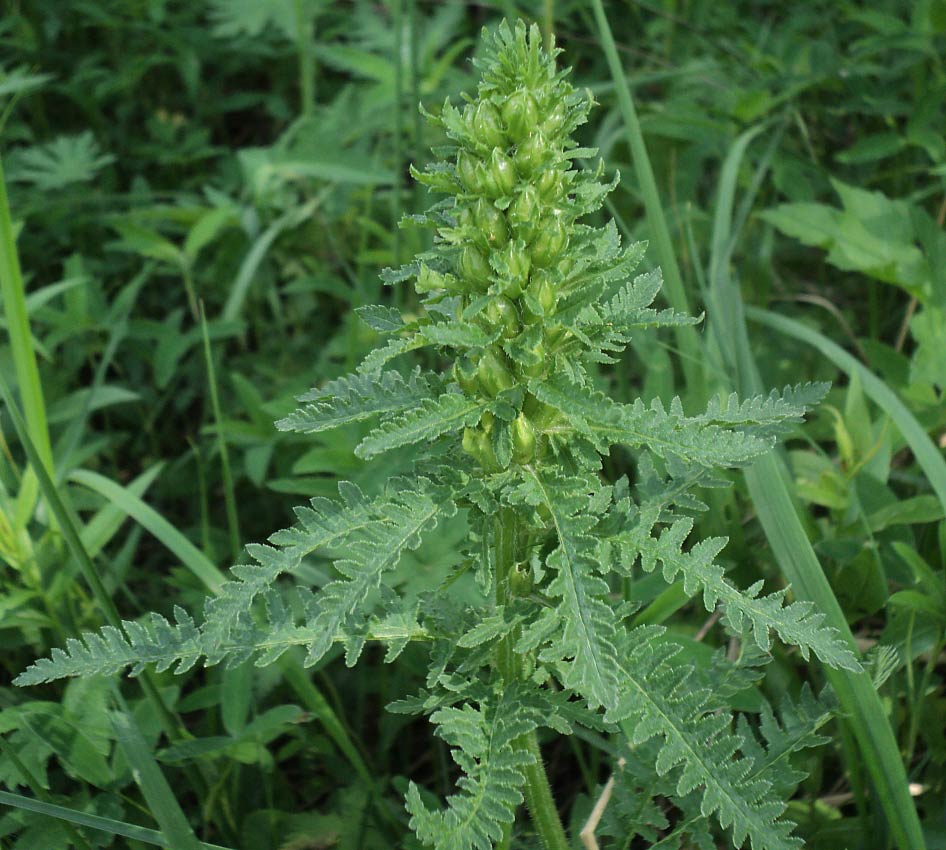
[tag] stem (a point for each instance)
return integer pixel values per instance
(538, 792)
(229, 494)
(306, 60)
(397, 14)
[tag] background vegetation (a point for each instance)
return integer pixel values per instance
(200, 194)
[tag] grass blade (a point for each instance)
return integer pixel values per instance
(70, 533)
(686, 336)
(229, 497)
(257, 253)
(123, 499)
(104, 525)
(149, 778)
(924, 449)
(21, 345)
(109, 825)
(864, 711)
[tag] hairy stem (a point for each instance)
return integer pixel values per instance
(538, 791)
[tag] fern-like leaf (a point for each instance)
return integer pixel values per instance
(400, 527)
(583, 623)
(659, 701)
(774, 409)
(323, 524)
(484, 738)
(355, 398)
(62, 162)
(795, 728)
(668, 435)
(797, 623)
(429, 420)
(152, 640)
(375, 535)
(609, 326)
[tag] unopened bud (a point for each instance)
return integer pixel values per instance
(521, 114)
(487, 125)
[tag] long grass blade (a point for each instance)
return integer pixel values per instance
(106, 522)
(929, 457)
(686, 336)
(229, 496)
(21, 345)
(73, 541)
(149, 778)
(126, 501)
(109, 825)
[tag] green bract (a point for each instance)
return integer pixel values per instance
(524, 300)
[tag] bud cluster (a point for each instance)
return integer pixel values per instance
(504, 236)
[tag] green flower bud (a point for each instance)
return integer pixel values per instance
(487, 126)
(542, 293)
(539, 368)
(523, 440)
(493, 373)
(521, 114)
(555, 335)
(464, 373)
(550, 243)
(428, 280)
(467, 171)
(566, 264)
(490, 222)
(502, 172)
(477, 444)
(555, 119)
(549, 184)
(474, 267)
(541, 415)
(520, 580)
(518, 263)
(532, 153)
(501, 311)
(524, 209)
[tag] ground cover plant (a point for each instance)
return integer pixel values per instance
(527, 563)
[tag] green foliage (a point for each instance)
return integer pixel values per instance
(484, 740)
(248, 162)
(532, 292)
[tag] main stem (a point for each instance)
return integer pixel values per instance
(538, 791)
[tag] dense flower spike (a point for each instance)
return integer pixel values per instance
(524, 300)
(512, 245)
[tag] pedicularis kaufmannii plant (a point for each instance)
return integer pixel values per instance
(523, 301)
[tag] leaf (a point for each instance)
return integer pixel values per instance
(375, 535)
(355, 398)
(669, 436)
(62, 162)
(659, 701)
(797, 624)
(484, 738)
(381, 319)
(378, 547)
(586, 634)
(872, 234)
(457, 335)
(430, 419)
